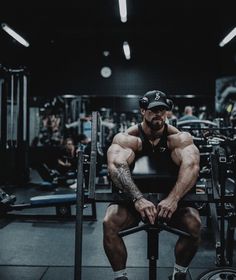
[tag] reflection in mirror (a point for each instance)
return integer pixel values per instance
(67, 118)
(64, 116)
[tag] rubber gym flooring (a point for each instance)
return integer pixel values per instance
(45, 249)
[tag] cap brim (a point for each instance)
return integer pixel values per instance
(158, 104)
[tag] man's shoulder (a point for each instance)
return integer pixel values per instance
(127, 139)
(123, 137)
(131, 133)
(172, 130)
(181, 135)
(133, 130)
(180, 139)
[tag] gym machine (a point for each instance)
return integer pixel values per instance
(61, 200)
(14, 125)
(222, 210)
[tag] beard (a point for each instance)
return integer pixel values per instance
(154, 124)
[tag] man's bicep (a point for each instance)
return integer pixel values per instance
(117, 154)
(188, 154)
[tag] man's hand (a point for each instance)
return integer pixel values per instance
(166, 208)
(146, 209)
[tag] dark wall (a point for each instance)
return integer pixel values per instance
(174, 70)
(173, 48)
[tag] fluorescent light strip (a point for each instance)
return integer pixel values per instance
(228, 38)
(123, 10)
(126, 49)
(15, 35)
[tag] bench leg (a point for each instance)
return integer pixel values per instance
(63, 211)
(152, 252)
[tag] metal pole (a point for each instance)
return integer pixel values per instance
(152, 252)
(1, 93)
(223, 169)
(25, 109)
(79, 219)
(18, 112)
(230, 242)
(3, 130)
(93, 156)
(12, 110)
(2, 154)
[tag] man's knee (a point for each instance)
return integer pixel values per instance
(109, 225)
(192, 222)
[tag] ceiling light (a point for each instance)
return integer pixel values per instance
(126, 49)
(123, 10)
(106, 72)
(69, 96)
(106, 53)
(228, 38)
(15, 35)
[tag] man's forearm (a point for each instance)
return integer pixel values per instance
(122, 179)
(186, 179)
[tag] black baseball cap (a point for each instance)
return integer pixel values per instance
(156, 98)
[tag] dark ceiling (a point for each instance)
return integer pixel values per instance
(67, 40)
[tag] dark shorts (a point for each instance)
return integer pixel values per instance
(129, 205)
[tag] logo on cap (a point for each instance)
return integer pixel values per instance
(157, 96)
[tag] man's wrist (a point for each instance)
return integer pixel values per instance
(174, 197)
(138, 197)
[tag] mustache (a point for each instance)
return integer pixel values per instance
(157, 118)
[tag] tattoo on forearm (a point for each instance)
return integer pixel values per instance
(122, 179)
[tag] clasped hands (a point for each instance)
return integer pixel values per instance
(163, 210)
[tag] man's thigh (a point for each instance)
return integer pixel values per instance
(183, 216)
(122, 215)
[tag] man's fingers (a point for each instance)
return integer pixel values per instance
(147, 210)
(169, 215)
(154, 210)
(165, 214)
(161, 213)
(150, 216)
(142, 213)
(158, 209)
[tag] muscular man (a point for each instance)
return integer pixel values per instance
(150, 137)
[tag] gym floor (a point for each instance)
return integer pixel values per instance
(45, 250)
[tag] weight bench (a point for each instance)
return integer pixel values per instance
(48, 200)
(62, 203)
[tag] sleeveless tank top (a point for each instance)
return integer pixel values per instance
(153, 169)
